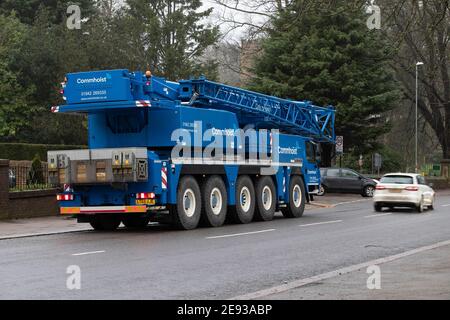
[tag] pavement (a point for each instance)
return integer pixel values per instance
(423, 276)
(322, 255)
(19, 228)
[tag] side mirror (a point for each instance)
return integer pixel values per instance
(430, 184)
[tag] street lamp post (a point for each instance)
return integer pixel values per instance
(419, 63)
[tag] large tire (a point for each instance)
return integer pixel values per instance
(244, 209)
(105, 222)
(297, 198)
(265, 199)
(214, 202)
(135, 222)
(186, 214)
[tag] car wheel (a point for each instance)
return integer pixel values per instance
(321, 191)
(368, 191)
(377, 207)
(419, 208)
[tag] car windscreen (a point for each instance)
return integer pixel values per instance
(397, 179)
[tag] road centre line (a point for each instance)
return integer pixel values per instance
(240, 234)
(446, 205)
(86, 253)
(303, 282)
(319, 223)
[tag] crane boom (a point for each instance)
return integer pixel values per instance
(297, 117)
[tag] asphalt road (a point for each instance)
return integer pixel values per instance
(213, 263)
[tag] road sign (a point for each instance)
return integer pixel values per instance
(339, 144)
(377, 160)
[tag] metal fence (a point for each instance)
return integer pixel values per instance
(22, 177)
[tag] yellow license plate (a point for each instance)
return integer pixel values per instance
(395, 190)
(145, 201)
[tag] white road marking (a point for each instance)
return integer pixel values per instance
(85, 253)
(446, 205)
(240, 234)
(335, 273)
(318, 223)
(378, 215)
(353, 201)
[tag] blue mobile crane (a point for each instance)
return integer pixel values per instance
(188, 153)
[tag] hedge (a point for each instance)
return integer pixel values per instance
(27, 151)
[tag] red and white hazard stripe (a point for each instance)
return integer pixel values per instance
(54, 109)
(164, 177)
(143, 103)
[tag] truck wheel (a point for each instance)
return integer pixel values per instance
(105, 222)
(297, 198)
(265, 199)
(214, 202)
(186, 214)
(244, 209)
(135, 222)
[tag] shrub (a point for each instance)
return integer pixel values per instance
(35, 175)
(27, 151)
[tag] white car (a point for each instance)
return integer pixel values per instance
(403, 190)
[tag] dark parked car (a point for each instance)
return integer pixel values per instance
(12, 179)
(346, 180)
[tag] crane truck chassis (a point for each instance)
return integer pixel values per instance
(189, 153)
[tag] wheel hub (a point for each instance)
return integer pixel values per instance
(296, 195)
(245, 199)
(216, 201)
(267, 197)
(189, 202)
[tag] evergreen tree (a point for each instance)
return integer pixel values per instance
(325, 53)
(169, 35)
(14, 111)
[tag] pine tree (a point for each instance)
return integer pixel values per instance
(169, 35)
(326, 54)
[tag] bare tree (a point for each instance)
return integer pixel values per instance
(420, 31)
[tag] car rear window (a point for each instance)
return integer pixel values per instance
(397, 179)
